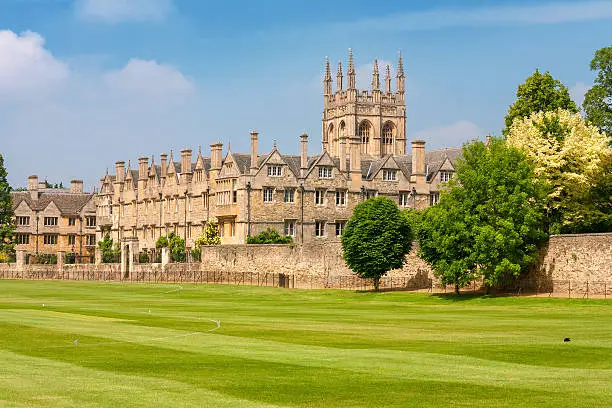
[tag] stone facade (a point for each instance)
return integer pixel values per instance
(49, 221)
(307, 197)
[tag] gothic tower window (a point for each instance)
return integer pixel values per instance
(364, 135)
(387, 138)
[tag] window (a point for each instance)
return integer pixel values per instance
(445, 176)
(290, 228)
(319, 228)
(325, 172)
(71, 239)
(50, 239)
(289, 195)
(387, 134)
(176, 205)
(23, 239)
(50, 221)
(275, 171)
(319, 197)
(91, 221)
(268, 195)
(234, 191)
(340, 198)
(389, 175)
(205, 200)
(370, 194)
(364, 135)
(90, 240)
(23, 220)
(434, 198)
(340, 227)
(404, 197)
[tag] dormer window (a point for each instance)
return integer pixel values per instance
(325, 172)
(275, 171)
(445, 176)
(389, 175)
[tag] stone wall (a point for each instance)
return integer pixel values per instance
(578, 258)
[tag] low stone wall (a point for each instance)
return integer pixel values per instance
(312, 264)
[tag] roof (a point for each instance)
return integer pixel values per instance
(68, 203)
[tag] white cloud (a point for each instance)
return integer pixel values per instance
(507, 15)
(115, 11)
(151, 79)
(578, 91)
(142, 105)
(26, 66)
(463, 131)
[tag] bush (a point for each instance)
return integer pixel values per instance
(269, 236)
(211, 235)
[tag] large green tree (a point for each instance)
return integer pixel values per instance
(175, 244)
(540, 93)
(376, 239)
(110, 251)
(488, 222)
(598, 100)
(7, 226)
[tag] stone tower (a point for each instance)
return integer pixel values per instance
(375, 117)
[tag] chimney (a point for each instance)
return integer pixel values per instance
(303, 154)
(42, 185)
(120, 171)
(164, 165)
(143, 168)
(216, 150)
(254, 142)
(418, 162)
(355, 164)
(185, 161)
(76, 186)
(33, 186)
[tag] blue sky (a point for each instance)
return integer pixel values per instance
(88, 82)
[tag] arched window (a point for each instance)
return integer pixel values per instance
(330, 133)
(387, 134)
(342, 129)
(364, 135)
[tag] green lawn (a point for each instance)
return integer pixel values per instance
(146, 345)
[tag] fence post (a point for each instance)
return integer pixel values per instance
(569, 289)
(587, 289)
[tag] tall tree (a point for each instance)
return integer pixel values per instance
(7, 226)
(598, 100)
(488, 222)
(376, 239)
(540, 93)
(570, 154)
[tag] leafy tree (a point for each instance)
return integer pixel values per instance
(269, 236)
(211, 235)
(598, 100)
(175, 244)
(7, 226)
(376, 239)
(570, 156)
(488, 222)
(111, 253)
(539, 93)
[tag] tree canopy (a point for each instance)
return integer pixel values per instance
(570, 155)
(7, 226)
(269, 236)
(376, 239)
(540, 93)
(489, 220)
(175, 244)
(210, 236)
(598, 100)
(110, 251)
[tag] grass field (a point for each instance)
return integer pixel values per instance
(134, 345)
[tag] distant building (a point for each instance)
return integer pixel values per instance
(307, 197)
(50, 220)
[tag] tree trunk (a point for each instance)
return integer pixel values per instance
(456, 289)
(376, 284)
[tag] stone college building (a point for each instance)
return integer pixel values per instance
(307, 197)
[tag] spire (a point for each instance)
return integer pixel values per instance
(400, 74)
(351, 71)
(199, 150)
(375, 77)
(327, 80)
(339, 77)
(388, 80)
(274, 144)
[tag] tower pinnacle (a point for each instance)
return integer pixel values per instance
(400, 74)
(327, 80)
(388, 80)
(339, 77)
(375, 77)
(351, 71)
